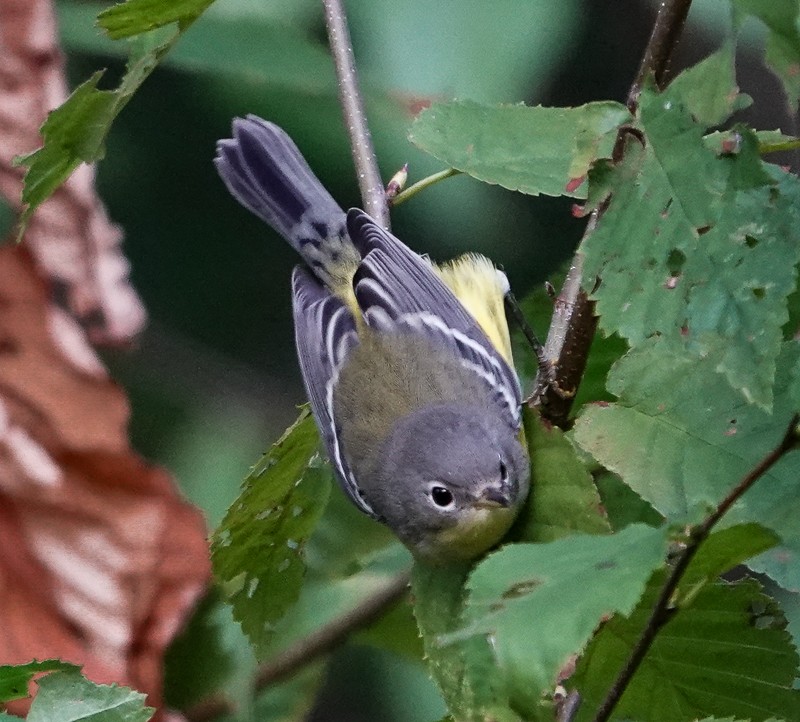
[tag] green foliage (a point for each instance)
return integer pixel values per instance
(257, 550)
(783, 39)
(563, 498)
(700, 249)
(719, 636)
(570, 585)
(622, 504)
(689, 384)
(725, 653)
(790, 605)
(532, 150)
(135, 17)
(709, 89)
(14, 679)
(65, 695)
(465, 673)
(70, 697)
(681, 438)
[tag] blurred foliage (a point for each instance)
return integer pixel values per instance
(64, 694)
(215, 378)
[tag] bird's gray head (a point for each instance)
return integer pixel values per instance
(450, 481)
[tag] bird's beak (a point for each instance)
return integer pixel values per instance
(492, 497)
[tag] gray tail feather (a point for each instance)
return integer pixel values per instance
(265, 171)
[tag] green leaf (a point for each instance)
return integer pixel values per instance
(790, 605)
(75, 132)
(345, 539)
(725, 549)
(622, 504)
(563, 498)
(14, 679)
(724, 655)
(698, 248)
(769, 141)
(567, 585)
(257, 550)
(135, 17)
(465, 671)
(783, 40)
(532, 150)
(709, 88)
(681, 438)
(70, 697)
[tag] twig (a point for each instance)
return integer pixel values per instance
(309, 649)
(514, 311)
(660, 614)
(369, 177)
(420, 185)
(569, 707)
(666, 31)
(574, 322)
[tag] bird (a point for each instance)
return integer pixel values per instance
(407, 364)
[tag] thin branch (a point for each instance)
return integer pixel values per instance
(666, 31)
(783, 147)
(574, 322)
(369, 177)
(420, 185)
(309, 649)
(661, 612)
(325, 639)
(568, 710)
(787, 443)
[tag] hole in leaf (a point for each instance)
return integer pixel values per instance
(675, 261)
(759, 293)
(750, 242)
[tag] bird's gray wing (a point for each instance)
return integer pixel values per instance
(325, 333)
(398, 291)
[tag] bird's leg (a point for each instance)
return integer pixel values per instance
(545, 376)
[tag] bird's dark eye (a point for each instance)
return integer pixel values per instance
(441, 496)
(503, 471)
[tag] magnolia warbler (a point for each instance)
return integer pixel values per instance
(407, 364)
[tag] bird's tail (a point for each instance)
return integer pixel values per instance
(265, 171)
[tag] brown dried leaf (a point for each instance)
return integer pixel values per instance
(102, 560)
(71, 237)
